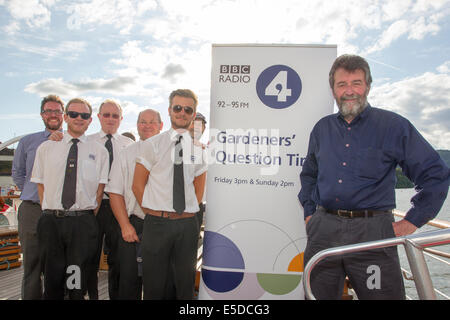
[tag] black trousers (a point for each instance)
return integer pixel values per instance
(109, 232)
(169, 253)
(130, 281)
(374, 274)
(67, 245)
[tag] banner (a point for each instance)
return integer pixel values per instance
(265, 100)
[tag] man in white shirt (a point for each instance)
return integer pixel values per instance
(110, 116)
(168, 183)
(70, 175)
(126, 210)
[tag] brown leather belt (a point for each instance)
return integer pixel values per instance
(355, 213)
(169, 214)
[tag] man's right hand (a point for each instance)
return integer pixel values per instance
(56, 136)
(307, 219)
(129, 233)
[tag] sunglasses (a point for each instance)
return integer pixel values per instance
(188, 110)
(74, 114)
(114, 115)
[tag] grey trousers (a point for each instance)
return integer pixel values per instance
(169, 253)
(28, 216)
(373, 274)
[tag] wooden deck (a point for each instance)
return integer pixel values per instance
(11, 282)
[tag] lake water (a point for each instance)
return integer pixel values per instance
(440, 272)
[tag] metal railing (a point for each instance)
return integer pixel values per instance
(10, 142)
(414, 246)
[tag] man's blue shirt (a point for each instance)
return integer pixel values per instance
(352, 166)
(22, 166)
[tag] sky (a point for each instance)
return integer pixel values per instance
(138, 51)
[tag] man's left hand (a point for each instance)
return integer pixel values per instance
(403, 228)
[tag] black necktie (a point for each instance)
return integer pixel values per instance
(179, 203)
(70, 179)
(109, 147)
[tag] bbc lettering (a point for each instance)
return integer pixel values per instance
(236, 69)
(234, 73)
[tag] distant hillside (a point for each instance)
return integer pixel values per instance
(445, 155)
(404, 182)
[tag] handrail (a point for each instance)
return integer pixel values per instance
(442, 224)
(11, 141)
(414, 245)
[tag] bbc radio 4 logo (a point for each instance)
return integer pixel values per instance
(279, 86)
(231, 73)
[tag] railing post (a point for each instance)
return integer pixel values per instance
(420, 272)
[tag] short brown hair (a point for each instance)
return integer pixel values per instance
(78, 100)
(186, 93)
(51, 97)
(350, 63)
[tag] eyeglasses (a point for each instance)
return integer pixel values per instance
(151, 122)
(113, 115)
(74, 114)
(188, 110)
(49, 111)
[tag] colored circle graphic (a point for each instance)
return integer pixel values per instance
(279, 86)
(221, 252)
(278, 284)
(224, 275)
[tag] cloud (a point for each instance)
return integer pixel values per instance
(34, 13)
(120, 14)
(172, 70)
(412, 19)
(424, 100)
(68, 50)
(395, 31)
(444, 68)
(116, 86)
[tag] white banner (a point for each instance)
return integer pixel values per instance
(265, 100)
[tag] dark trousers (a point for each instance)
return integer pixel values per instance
(130, 281)
(28, 217)
(373, 274)
(169, 248)
(109, 232)
(67, 245)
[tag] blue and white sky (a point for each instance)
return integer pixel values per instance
(137, 52)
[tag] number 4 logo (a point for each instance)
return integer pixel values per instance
(279, 86)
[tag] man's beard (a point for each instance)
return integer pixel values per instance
(351, 109)
(52, 126)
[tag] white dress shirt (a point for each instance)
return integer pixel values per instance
(157, 157)
(119, 142)
(121, 178)
(50, 167)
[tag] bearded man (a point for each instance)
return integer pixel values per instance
(29, 210)
(348, 186)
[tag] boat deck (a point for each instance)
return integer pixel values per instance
(11, 282)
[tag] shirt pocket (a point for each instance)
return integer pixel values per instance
(89, 170)
(369, 163)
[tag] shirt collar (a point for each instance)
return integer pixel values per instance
(103, 134)
(47, 132)
(364, 114)
(173, 135)
(68, 138)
